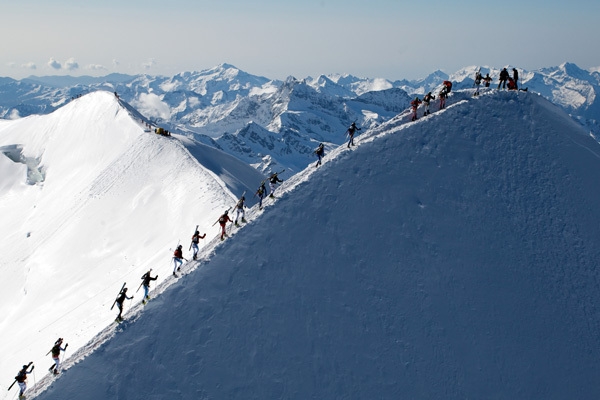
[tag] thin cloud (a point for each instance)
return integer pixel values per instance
(96, 67)
(115, 63)
(29, 65)
(149, 64)
(52, 63)
(71, 64)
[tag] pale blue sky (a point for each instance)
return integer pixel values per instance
(372, 38)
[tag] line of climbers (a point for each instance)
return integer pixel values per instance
(177, 259)
(240, 207)
(21, 378)
(505, 82)
(442, 95)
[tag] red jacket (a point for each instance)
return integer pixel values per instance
(224, 219)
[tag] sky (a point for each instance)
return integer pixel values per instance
(371, 39)
(454, 257)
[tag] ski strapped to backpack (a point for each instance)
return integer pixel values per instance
(221, 216)
(120, 291)
(277, 173)
(237, 204)
(192, 242)
(16, 377)
(259, 188)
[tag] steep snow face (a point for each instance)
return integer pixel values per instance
(89, 200)
(454, 257)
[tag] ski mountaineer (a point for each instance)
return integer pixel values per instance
(448, 86)
(443, 95)
(177, 259)
(320, 152)
(503, 78)
(426, 100)
(239, 210)
(351, 130)
(21, 379)
(516, 78)
(415, 105)
(120, 300)
(146, 278)
(195, 240)
(477, 82)
(223, 220)
(261, 192)
(56, 355)
(487, 79)
(273, 181)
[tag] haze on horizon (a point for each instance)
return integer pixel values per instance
(376, 39)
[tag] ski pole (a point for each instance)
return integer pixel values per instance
(65, 352)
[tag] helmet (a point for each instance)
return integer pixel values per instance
(196, 233)
(226, 211)
(124, 290)
(243, 198)
(25, 366)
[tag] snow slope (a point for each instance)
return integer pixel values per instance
(89, 200)
(454, 257)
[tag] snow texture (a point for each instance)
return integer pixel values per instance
(450, 258)
(89, 200)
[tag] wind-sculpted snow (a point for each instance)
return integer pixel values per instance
(452, 257)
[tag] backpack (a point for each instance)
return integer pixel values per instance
(21, 377)
(448, 85)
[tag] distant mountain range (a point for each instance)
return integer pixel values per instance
(272, 124)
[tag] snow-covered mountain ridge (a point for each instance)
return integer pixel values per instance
(453, 257)
(287, 119)
(89, 199)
